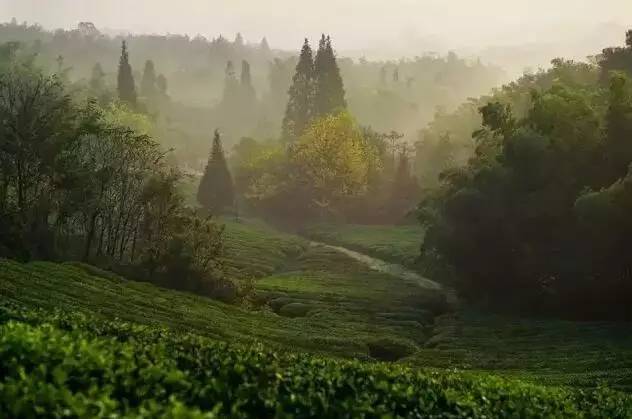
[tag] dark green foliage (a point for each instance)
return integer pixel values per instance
(618, 147)
(64, 364)
(215, 192)
(616, 59)
(389, 349)
(126, 86)
(522, 222)
(76, 185)
(300, 105)
(404, 189)
(295, 310)
(329, 94)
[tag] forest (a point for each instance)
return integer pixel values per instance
(195, 227)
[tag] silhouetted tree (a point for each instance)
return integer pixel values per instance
(329, 93)
(299, 110)
(126, 86)
(215, 192)
(148, 83)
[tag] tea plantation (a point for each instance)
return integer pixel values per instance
(72, 365)
(76, 341)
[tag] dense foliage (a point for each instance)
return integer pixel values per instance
(63, 364)
(535, 220)
(84, 181)
(193, 84)
(215, 192)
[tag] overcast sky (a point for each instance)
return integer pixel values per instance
(354, 24)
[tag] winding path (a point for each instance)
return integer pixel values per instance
(379, 265)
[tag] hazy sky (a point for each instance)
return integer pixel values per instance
(354, 24)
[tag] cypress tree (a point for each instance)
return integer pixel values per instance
(215, 192)
(329, 93)
(126, 86)
(299, 110)
(148, 86)
(248, 97)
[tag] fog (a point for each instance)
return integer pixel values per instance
(370, 27)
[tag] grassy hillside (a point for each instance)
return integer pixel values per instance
(397, 244)
(254, 249)
(311, 299)
(342, 323)
(58, 365)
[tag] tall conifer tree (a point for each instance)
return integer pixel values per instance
(215, 192)
(299, 110)
(329, 90)
(148, 83)
(126, 85)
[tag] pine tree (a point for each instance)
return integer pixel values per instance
(329, 90)
(246, 77)
(126, 86)
(215, 192)
(148, 86)
(299, 110)
(248, 98)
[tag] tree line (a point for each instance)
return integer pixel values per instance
(78, 183)
(325, 165)
(538, 219)
(398, 95)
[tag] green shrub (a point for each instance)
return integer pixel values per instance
(295, 310)
(70, 365)
(390, 349)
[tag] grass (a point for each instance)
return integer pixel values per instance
(396, 244)
(313, 299)
(545, 350)
(254, 249)
(340, 325)
(61, 365)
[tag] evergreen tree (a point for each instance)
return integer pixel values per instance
(148, 86)
(248, 99)
(329, 90)
(246, 77)
(126, 86)
(215, 192)
(299, 110)
(618, 141)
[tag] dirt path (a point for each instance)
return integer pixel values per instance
(379, 265)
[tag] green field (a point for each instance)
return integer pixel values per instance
(60, 365)
(397, 244)
(310, 298)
